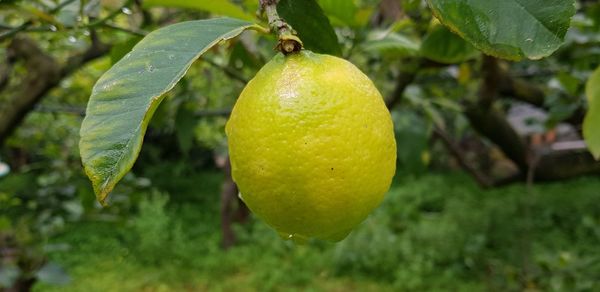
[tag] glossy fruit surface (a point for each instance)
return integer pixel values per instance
(312, 146)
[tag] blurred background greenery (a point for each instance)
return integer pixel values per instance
(465, 213)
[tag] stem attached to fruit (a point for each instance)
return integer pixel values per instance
(288, 41)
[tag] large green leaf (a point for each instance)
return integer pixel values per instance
(510, 29)
(591, 124)
(220, 7)
(393, 45)
(443, 46)
(313, 27)
(126, 96)
(340, 11)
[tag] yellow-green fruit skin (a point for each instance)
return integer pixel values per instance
(312, 146)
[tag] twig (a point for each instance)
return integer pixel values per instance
(44, 73)
(137, 32)
(403, 80)
(80, 110)
(110, 16)
(229, 71)
(27, 24)
(100, 22)
(483, 180)
(288, 41)
(15, 30)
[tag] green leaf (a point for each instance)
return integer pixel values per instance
(591, 124)
(221, 7)
(184, 124)
(340, 11)
(393, 45)
(313, 27)
(119, 50)
(510, 29)
(441, 45)
(126, 96)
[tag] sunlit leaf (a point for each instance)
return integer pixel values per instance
(126, 96)
(510, 29)
(393, 45)
(340, 11)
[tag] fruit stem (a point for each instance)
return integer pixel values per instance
(288, 41)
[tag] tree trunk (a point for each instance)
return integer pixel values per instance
(233, 208)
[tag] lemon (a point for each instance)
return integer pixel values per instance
(312, 146)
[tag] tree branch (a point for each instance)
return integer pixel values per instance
(44, 73)
(27, 24)
(5, 69)
(490, 121)
(455, 150)
(403, 80)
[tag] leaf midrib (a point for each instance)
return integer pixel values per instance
(112, 171)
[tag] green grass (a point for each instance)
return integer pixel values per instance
(434, 233)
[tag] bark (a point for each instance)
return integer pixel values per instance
(5, 69)
(43, 74)
(403, 80)
(455, 150)
(22, 285)
(490, 121)
(522, 90)
(492, 124)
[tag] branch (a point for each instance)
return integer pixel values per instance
(44, 73)
(28, 23)
(410, 68)
(133, 31)
(455, 150)
(491, 122)
(110, 16)
(232, 73)
(95, 50)
(522, 90)
(403, 80)
(15, 30)
(5, 69)
(288, 41)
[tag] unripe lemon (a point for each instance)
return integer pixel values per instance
(312, 146)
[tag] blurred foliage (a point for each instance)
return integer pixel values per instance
(161, 229)
(434, 233)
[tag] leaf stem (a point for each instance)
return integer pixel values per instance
(288, 41)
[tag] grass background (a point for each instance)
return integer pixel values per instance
(432, 233)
